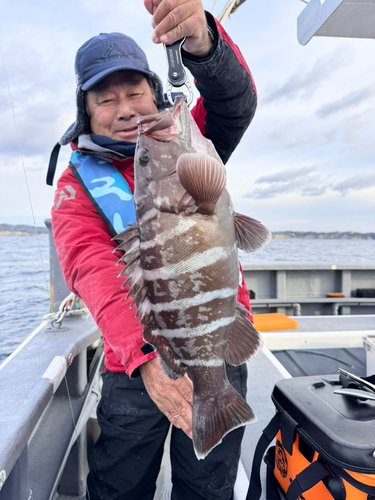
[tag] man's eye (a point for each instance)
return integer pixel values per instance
(106, 101)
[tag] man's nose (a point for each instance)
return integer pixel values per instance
(125, 109)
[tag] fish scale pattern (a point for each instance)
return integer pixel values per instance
(182, 265)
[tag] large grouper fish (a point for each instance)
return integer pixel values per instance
(182, 266)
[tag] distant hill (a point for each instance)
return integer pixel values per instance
(310, 235)
(24, 230)
(21, 230)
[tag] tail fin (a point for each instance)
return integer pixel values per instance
(213, 418)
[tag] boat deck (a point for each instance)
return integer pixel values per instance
(41, 403)
(323, 344)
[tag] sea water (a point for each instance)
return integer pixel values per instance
(319, 251)
(24, 288)
(24, 275)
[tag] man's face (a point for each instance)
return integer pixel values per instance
(116, 102)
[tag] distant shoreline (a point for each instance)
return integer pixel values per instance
(22, 230)
(311, 235)
(25, 230)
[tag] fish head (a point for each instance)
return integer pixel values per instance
(171, 148)
(156, 150)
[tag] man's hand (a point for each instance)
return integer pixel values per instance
(174, 398)
(176, 19)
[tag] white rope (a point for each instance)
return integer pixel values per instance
(215, 2)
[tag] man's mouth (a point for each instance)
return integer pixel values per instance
(127, 130)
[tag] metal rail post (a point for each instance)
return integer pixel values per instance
(58, 288)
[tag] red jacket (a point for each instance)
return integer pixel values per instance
(84, 246)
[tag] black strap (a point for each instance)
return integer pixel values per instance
(306, 479)
(288, 431)
(272, 486)
(52, 164)
(255, 488)
(365, 488)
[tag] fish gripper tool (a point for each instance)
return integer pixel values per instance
(177, 76)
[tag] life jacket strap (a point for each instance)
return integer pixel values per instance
(107, 190)
(52, 164)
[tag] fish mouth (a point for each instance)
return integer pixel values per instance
(163, 126)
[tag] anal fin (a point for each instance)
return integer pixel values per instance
(244, 341)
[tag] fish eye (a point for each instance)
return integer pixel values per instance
(144, 156)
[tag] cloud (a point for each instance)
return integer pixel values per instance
(355, 183)
(307, 181)
(306, 83)
(36, 90)
(345, 102)
(285, 175)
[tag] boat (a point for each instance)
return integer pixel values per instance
(50, 385)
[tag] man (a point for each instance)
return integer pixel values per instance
(114, 87)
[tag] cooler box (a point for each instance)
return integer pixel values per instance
(337, 429)
(325, 443)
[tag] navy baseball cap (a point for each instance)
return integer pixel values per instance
(99, 57)
(106, 53)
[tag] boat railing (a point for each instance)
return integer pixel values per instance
(49, 387)
(47, 394)
(302, 289)
(335, 306)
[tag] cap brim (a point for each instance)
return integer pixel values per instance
(100, 76)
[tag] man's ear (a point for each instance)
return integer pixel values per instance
(86, 107)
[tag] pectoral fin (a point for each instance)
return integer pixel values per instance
(251, 235)
(244, 341)
(203, 177)
(187, 201)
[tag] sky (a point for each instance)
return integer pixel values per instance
(306, 163)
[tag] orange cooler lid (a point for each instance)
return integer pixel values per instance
(273, 321)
